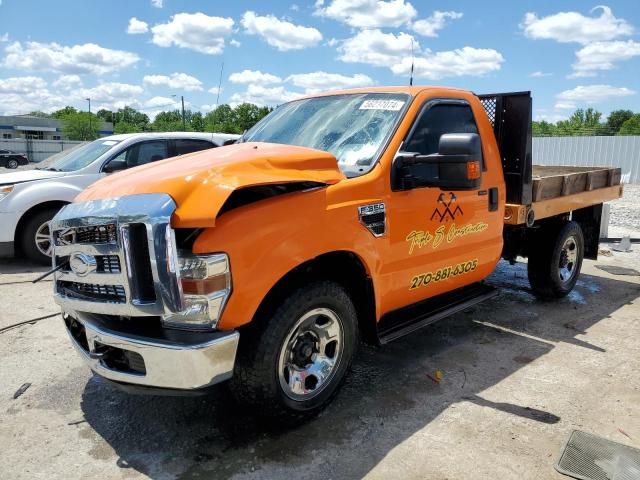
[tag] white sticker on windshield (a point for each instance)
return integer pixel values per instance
(109, 142)
(393, 105)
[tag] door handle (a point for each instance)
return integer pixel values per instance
(493, 199)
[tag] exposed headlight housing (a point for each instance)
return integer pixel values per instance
(5, 190)
(206, 286)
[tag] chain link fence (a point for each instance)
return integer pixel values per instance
(37, 150)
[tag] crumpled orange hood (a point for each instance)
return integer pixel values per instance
(201, 182)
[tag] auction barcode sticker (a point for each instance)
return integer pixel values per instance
(393, 105)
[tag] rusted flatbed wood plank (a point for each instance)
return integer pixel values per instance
(550, 181)
(516, 214)
(557, 206)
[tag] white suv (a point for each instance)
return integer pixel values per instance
(30, 198)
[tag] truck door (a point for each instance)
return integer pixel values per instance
(440, 239)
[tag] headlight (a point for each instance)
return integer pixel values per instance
(5, 190)
(206, 286)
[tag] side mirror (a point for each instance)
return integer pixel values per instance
(114, 166)
(456, 166)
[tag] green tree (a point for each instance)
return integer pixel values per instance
(138, 120)
(221, 120)
(63, 112)
(105, 115)
(543, 129)
(168, 121)
(616, 119)
(631, 126)
(126, 127)
(80, 126)
(582, 122)
(197, 122)
(40, 114)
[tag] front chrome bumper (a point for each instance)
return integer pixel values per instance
(168, 364)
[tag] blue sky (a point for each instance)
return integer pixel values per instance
(570, 54)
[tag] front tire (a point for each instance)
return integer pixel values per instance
(292, 364)
(555, 260)
(12, 164)
(35, 241)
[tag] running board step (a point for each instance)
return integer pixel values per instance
(406, 320)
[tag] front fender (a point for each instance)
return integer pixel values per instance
(267, 240)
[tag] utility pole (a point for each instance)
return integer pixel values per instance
(184, 124)
(89, 100)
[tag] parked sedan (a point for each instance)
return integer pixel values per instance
(29, 199)
(12, 160)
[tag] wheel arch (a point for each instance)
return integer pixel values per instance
(33, 210)
(343, 267)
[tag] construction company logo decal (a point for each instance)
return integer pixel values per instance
(447, 208)
(422, 238)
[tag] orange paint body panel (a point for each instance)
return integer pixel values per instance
(447, 237)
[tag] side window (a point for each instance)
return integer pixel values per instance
(146, 152)
(188, 145)
(435, 122)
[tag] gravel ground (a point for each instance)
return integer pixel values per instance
(519, 376)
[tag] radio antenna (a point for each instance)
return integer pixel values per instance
(412, 61)
(220, 83)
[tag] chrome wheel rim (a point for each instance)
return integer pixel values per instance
(12, 164)
(567, 266)
(310, 354)
(43, 239)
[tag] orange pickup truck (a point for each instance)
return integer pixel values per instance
(349, 216)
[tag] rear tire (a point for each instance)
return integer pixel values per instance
(555, 260)
(12, 164)
(33, 239)
(291, 365)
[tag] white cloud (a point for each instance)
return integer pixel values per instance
(454, 63)
(234, 43)
(599, 56)
(254, 77)
(429, 26)
(178, 81)
(295, 7)
(86, 58)
(565, 106)
(4, 37)
(68, 82)
(22, 103)
(136, 26)
(195, 31)
(20, 85)
(590, 94)
(568, 27)
(113, 95)
(318, 81)
(376, 48)
(368, 13)
(215, 90)
(261, 95)
(280, 34)
(157, 3)
(540, 74)
(550, 117)
(394, 51)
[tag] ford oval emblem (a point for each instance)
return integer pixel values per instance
(82, 264)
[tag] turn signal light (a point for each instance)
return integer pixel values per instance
(473, 170)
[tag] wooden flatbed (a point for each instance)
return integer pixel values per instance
(558, 190)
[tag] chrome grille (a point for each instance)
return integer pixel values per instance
(120, 256)
(92, 292)
(108, 264)
(95, 234)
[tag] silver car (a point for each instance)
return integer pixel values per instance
(29, 199)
